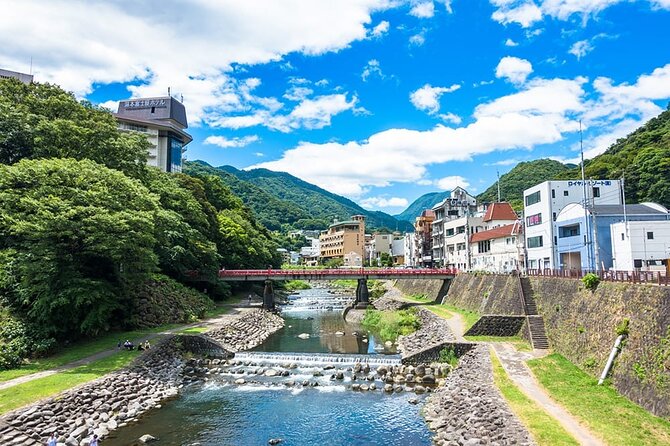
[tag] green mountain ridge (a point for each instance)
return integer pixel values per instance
(425, 201)
(283, 201)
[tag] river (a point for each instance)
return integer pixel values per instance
(308, 406)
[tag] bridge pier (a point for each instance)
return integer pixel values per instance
(362, 294)
(268, 296)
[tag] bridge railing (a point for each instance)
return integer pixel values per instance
(650, 277)
(348, 272)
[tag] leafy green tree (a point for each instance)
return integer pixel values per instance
(74, 236)
(43, 121)
(243, 245)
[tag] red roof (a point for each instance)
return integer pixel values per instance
(502, 231)
(500, 211)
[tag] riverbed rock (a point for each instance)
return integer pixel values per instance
(274, 441)
(303, 335)
(146, 438)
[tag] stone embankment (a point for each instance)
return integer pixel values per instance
(247, 331)
(434, 331)
(469, 410)
(121, 397)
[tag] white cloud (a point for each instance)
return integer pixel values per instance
(417, 39)
(372, 69)
(450, 117)
(423, 10)
(224, 142)
(505, 162)
(259, 154)
(581, 48)
(381, 202)
(297, 93)
(514, 69)
(105, 42)
(451, 182)
(427, 98)
(525, 13)
(380, 29)
(510, 42)
(425, 182)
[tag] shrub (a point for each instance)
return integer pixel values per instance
(391, 324)
(448, 356)
(622, 328)
(591, 281)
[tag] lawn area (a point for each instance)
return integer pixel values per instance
(611, 416)
(26, 393)
(194, 330)
(90, 347)
(544, 428)
(445, 310)
(519, 343)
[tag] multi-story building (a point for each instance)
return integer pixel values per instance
(499, 249)
(572, 226)
(641, 246)
(398, 249)
(7, 74)
(448, 230)
(543, 203)
(409, 250)
(423, 241)
(162, 120)
(377, 245)
(309, 255)
(344, 240)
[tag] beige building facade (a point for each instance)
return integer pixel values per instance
(344, 240)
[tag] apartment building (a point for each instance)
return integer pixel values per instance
(423, 239)
(498, 250)
(344, 240)
(163, 121)
(543, 203)
(448, 229)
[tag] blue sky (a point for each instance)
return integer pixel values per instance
(378, 100)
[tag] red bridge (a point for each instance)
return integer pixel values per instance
(260, 275)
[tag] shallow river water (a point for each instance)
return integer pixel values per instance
(324, 412)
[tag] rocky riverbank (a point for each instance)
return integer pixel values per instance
(434, 331)
(469, 410)
(247, 331)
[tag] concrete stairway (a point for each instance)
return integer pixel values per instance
(538, 332)
(529, 300)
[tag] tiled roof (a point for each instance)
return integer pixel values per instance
(500, 211)
(502, 231)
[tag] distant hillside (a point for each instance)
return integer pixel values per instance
(425, 201)
(642, 158)
(520, 178)
(281, 200)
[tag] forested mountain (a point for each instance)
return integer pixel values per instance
(425, 201)
(521, 177)
(281, 200)
(642, 159)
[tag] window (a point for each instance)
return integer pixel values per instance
(453, 212)
(596, 192)
(637, 263)
(650, 236)
(460, 229)
(565, 193)
(484, 246)
(553, 193)
(533, 220)
(533, 198)
(553, 216)
(623, 237)
(460, 247)
(174, 155)
(568, 231)
(535, 242)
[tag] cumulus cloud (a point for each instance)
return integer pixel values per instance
(380, 29)
(427, 98)
(581, 48)
(452, 182)
(525, 13)
(514, 69)
(372, 69)
(450, 117)
(382, 202)
(510, 42)
(224, 142)
(417, 39)
(193, 55)
(423, 10)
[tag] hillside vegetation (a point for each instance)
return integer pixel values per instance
(425, 201)
(282, 201)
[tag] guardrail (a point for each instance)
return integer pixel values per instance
(348, 272)
(650, 277)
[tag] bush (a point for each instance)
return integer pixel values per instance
(391, 324)
(448, 356)
(591, 281)
(18, 341)
(294, 285)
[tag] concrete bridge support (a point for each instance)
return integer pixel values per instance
(362, 294)
(268, 296)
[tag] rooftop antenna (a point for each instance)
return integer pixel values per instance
(169, 92)
(31, 65)
(182, 98)
(498, 172)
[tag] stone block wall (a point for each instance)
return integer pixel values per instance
(581, 325)
(497, 326)
(432, 354)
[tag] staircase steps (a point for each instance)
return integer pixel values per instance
(538, 333)
(528, 297)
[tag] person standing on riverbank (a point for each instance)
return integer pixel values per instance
(53, 439)
(94, 441)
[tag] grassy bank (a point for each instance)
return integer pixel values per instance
(444, 310)
(391, 324)
(608, 414)
(26, 393)
(544, 429)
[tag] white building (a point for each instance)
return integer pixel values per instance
(162, 120)
(409, 249)
(641, 246)
(377, 245)
(543, 203)
(309, 255)
(398, 250)
(449, 243)
(8, 74)
(498, 250)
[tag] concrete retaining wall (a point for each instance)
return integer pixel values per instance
(497, 326)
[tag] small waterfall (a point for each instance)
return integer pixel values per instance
(317, 358)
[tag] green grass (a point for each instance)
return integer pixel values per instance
(391, 324)
(295, 285)
(519, 343)
(88, 348)
(194, 330)
(469, 317)
(444, 310)
(608, 414)
(544, 428)
(27, 393)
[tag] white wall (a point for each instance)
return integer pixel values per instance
(635, 244)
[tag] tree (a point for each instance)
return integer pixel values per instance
(43, 121)
(74, 236)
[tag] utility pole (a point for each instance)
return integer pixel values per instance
(623, 195)
(498, 172)
(587, 229)
(595, 235)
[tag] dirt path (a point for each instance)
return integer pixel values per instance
(235, 311)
